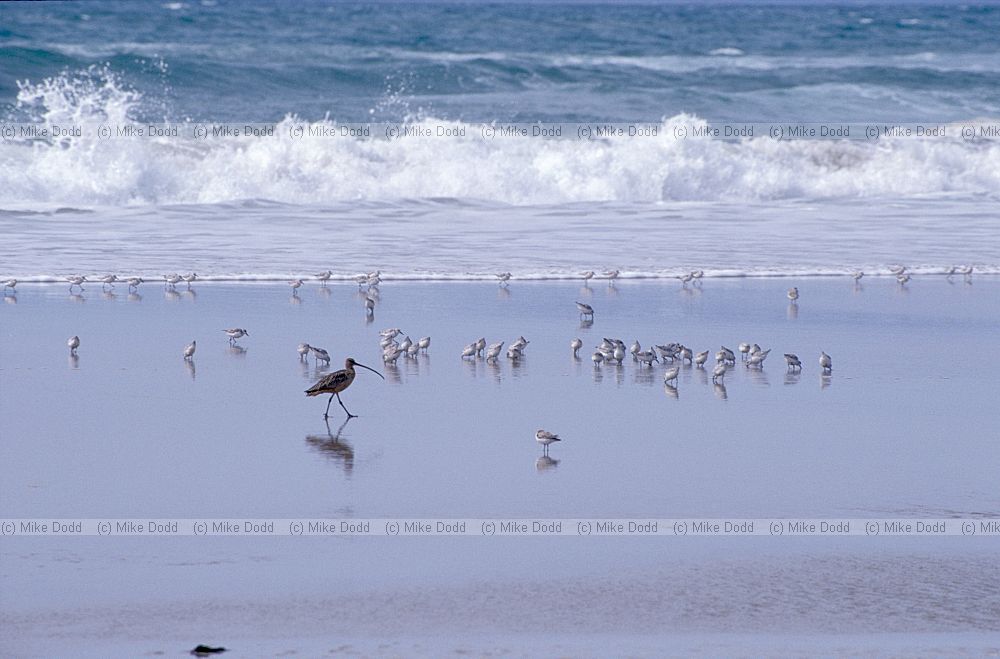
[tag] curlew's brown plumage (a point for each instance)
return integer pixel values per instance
(336, 382)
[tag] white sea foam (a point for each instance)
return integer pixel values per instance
(127, 171)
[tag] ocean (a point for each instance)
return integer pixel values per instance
(466, 206)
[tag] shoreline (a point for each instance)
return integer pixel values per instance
(928, 271)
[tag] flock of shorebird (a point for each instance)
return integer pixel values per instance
(610, 350)
(372, 279)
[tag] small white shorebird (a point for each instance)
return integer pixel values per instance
(469, 351)
(646, 357)
(369, 306)
(597, 358)
(391, 354)
(303, 350)
(588, 275)
(897, 269)
(424, 343)
(857, 275)
(73, 343)
(172, 280)
(10, 283)
(405, 345)
(635, 349)
(793, 361)
(697, 274)
(324, 276)
(321, 355)
(504, 277)
(296, 285)
(585, 309)
(391, 332)
(108, 280)
(670, 375)
(719, 372)
(744, 348)
(514, 353)
(133, 282)
(76, 280)
(190, 278)
(494, 351)
(793, 294)
(686, 278)
(544, 437)
(236, 333)
(757, 358)
(826, 363)
(612, 275)
(701, 358)
(576, 344)
(965, 270)
(481, 346)
(619, 353)
(729, 354)
(903, 278)
(189, 350)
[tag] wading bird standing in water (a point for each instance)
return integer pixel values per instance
(336, 382)
(544, 437)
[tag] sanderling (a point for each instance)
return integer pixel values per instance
(321, 355)
(236, 333)
(545, 438)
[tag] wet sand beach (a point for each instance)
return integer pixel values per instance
(905, 426)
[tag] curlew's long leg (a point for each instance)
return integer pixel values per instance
(326, 414)
(349, 415)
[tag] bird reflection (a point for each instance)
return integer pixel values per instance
(324, 291)
(334, 447)
(825, 381)
(74, 360)
(295, 299)
(237, 350)
(190, 292)
(793, 377)
(109, 295)
(171, 295)
(189, 364)
(793, 311)
(588, 322)
(503, 292)
(10, 299)
(586, 291)
(758, 376)
(545, 463)
(643, 376)
(134, 297)
(671, 392)
(720, 391)
(77, 297)
(392, 373)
